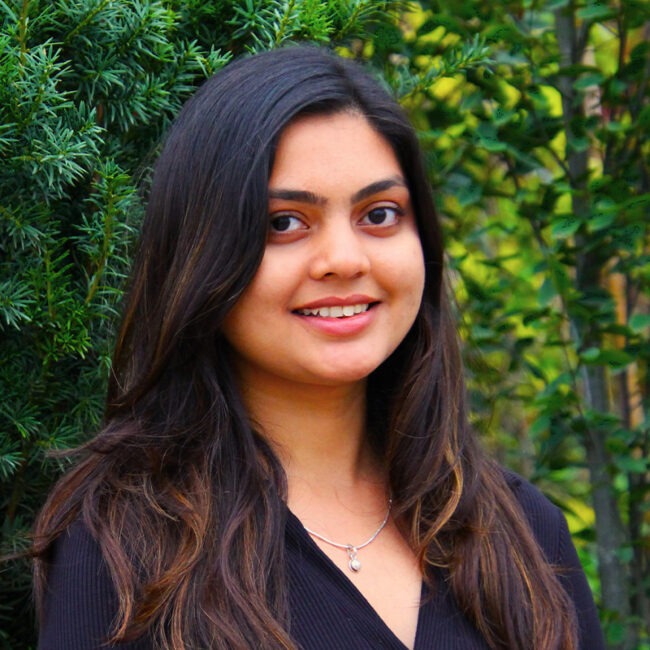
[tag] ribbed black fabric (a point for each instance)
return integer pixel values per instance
(327, 610)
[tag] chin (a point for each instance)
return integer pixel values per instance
(347, 375)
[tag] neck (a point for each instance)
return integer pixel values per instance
(309, 426)
(336, 484)
(316, 431)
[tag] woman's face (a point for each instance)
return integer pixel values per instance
(342, 275)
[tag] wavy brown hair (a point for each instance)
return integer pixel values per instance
(185, 499)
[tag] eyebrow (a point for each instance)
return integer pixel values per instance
(303, 196)
(378, 186)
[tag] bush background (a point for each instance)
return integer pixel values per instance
(534, 118)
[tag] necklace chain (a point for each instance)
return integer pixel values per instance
(352, 549)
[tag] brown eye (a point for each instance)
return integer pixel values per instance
(286, 223)
(382, 216)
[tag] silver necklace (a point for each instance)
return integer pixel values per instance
(354, 563)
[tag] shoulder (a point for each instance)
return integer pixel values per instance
(549, 527)
(544, 518)
(80, 603)
(530, 498)
(76, 564)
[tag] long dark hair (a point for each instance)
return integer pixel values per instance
(185, 498)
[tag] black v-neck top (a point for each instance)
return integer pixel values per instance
(327, 611)
(337, 615)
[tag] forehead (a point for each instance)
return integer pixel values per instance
(330, 151)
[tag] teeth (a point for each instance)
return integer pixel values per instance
(338, 311)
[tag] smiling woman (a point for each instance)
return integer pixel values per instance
(286, 460)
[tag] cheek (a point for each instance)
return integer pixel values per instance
(416, 290)
(272, 284)
(268, 291)
(417, 269)
(408, 272)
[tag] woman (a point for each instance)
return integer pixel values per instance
(286, 460)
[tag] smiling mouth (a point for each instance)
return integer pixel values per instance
(336, 311)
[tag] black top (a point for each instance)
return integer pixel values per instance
(327, 611)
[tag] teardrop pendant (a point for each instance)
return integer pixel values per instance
(354, 563)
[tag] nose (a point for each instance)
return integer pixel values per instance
(339, 251)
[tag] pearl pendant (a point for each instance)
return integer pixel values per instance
(354, 563)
